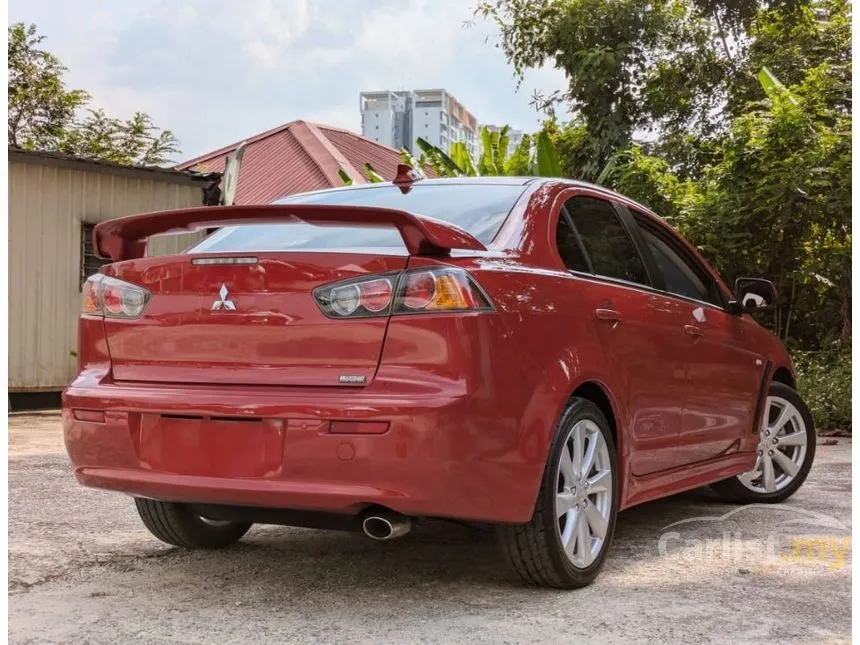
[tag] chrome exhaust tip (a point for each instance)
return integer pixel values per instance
(385, 526)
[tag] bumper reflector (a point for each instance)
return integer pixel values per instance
(358, 427)
(93, 416)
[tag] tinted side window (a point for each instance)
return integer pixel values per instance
(680, 278)
(606, 242)
(568, 246)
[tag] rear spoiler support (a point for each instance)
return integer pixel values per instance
(125, 238)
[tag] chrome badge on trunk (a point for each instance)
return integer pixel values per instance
(224, 303)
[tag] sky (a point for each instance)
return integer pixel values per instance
(216, 71)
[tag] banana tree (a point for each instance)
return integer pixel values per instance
(494, 153)
(494, 156)
(494, 159)
(369, 172)
(444, 165)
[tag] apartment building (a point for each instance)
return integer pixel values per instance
(399, 118)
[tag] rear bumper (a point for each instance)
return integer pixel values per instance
(444, 454)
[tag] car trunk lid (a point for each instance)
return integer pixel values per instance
(250, 321)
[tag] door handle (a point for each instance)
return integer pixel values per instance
(608, 315)
(692, 330)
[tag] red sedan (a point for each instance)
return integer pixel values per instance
(533, 353)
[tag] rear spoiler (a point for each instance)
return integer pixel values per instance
(125, 238)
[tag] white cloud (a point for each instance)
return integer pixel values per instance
(216, 71)
(266, 29)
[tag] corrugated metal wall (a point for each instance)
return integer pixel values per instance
(47, 205)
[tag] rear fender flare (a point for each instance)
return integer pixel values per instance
(547, 403)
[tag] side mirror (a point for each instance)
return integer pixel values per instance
(752, 294)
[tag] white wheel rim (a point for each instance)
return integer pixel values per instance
(781, 448)
(583, 501)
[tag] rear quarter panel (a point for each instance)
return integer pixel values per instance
(523, 360)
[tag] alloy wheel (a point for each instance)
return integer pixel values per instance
(583, 501)
(781, 449)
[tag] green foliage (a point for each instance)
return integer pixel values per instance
(534, 156)
(631, 65)
(44, 115)
(344, 177)
(494, 151)
(772, 86)
(372, 176)
(520, 162)
(135, 141)
(40, 107)
(789, 39)
(778, 204)
(743, 111)
(547, 160)
(416, 164)
(571, 143)
(650, 180)
(444, 165)
(463, 160)
(824, 382)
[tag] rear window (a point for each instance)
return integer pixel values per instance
(478, 209)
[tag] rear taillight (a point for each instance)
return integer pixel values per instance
(439, 290)
(355, 298)
(112, 298)
(417, 291)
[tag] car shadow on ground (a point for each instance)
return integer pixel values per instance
(435, 552)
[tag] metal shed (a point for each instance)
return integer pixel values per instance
(54, 201)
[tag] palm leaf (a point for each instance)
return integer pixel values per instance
(486, 164)
(772, 85)
(372, 176)
(438, 159)
(416, 164)
(502, 150)
(461, 157)
(607, 170)
(345, 178)
(547, 159)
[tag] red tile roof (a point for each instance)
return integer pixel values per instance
(297, 157)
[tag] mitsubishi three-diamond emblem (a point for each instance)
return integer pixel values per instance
(224, 304)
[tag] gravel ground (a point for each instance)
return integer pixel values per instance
(83, 570)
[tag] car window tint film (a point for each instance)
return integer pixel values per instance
(680, 279)
(606, 242)
(568, 246)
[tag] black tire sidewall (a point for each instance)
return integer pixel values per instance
(785, 392)
(577, 410)
(175, 523)
(734, 490)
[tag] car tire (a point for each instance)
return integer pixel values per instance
(546, 551)
(178, 525)
(786, 448)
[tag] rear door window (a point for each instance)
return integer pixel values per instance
(569, 246)
(479, 209)
(681, 277)
(605, 240)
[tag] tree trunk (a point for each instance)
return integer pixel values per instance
(790, 306)
(845, 335)
(722, 33)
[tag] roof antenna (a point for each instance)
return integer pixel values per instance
(406, 174)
